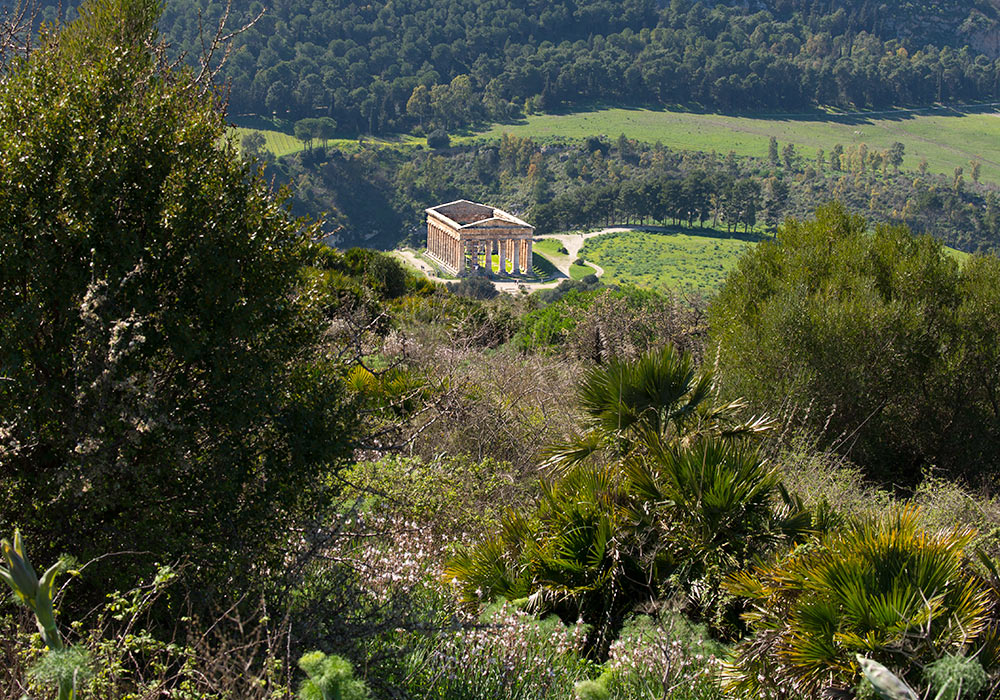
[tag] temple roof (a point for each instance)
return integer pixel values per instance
(463, 214)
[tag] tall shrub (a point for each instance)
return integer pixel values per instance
(161, 390)
(883, 333)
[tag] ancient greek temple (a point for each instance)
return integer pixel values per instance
(464, 235)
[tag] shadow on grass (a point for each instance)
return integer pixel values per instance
(817, 114)
(749, 237)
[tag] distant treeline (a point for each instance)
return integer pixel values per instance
(698, 197)
(378, 67)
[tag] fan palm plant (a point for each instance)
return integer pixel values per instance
(660, 398)
(881, 587)
(680, 498)
(572, 557)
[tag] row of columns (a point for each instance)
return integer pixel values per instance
(445, 247)
(515, 250)
(458, 254)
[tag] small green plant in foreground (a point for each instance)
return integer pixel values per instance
(330, 677)
(62, 665)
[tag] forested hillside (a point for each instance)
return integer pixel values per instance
(394, 66)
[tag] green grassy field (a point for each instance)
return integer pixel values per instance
(550, 249)
(578, 272)
(280, 143)
(946, 138)
(674, 258)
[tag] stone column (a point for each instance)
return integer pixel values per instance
(528, 254)
(517, 258)
(488, 260)
(460, 257)
(501, 244)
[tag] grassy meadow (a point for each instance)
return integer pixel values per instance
(946, 138)
(281, 143)
(678, 258)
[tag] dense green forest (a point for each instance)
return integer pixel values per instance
(398, 66)
(239, 464)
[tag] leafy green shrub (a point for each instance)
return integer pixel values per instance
(591, 690)
(604, 537)
(456, 494)
(953, 677)
(176, 404)
(438, 139)
(880, 330)
(474, 287)
(330, 677)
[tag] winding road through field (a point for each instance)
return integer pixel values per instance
(573, 242)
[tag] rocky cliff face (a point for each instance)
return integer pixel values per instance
(983, 32)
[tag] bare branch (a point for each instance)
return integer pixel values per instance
(216, 51)
(17, 26)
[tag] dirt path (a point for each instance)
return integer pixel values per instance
(573, 242)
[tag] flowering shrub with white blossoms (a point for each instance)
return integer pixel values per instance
(507, 655)
(668, 657)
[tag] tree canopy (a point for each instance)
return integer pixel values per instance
(163, 390)
(876, 338)
(392, 66)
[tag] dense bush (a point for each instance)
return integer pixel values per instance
(891, 343)
(438, 139)
(474, 287)
(162, 389)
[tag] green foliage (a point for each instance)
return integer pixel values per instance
(953, 677)
(66, 667)
(880, 586)
(474, 288)
(162, 387)
(395, 67)
(438, 139)
(654, 401)
(604, 538)
(330, 677)
(591, 690)
(880, 330)
(452, 493)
